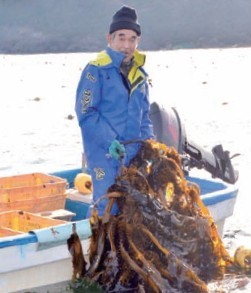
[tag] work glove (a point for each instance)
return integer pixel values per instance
(116, 150)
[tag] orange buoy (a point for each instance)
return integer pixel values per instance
(83, 183)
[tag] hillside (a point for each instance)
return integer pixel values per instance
(51, 26)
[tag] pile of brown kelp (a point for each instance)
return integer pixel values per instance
(164, 238)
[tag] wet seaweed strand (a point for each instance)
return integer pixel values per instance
(164, 238)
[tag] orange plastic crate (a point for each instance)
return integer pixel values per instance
(32, 192)
(24, 222)
(36, 205)
(30, 186)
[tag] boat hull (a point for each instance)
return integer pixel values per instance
(40, 258)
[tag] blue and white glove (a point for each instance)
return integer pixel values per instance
(116, 150)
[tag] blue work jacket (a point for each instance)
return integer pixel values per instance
(109, 107)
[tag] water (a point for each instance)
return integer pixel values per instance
(209, 88)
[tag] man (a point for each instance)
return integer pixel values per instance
(112, 104)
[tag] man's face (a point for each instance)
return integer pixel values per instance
(124, 41)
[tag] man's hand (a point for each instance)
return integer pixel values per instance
(116, 150)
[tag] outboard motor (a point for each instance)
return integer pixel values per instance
(170, 131)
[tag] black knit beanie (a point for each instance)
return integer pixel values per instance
(125, 18)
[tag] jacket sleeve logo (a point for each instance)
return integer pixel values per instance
(86, 101)
(100, 173)
(90, 77)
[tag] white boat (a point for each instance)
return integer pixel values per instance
(40, 257)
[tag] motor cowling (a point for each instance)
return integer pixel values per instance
(167, 126)
(169, 130)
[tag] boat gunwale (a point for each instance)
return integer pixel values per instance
(227, 191)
